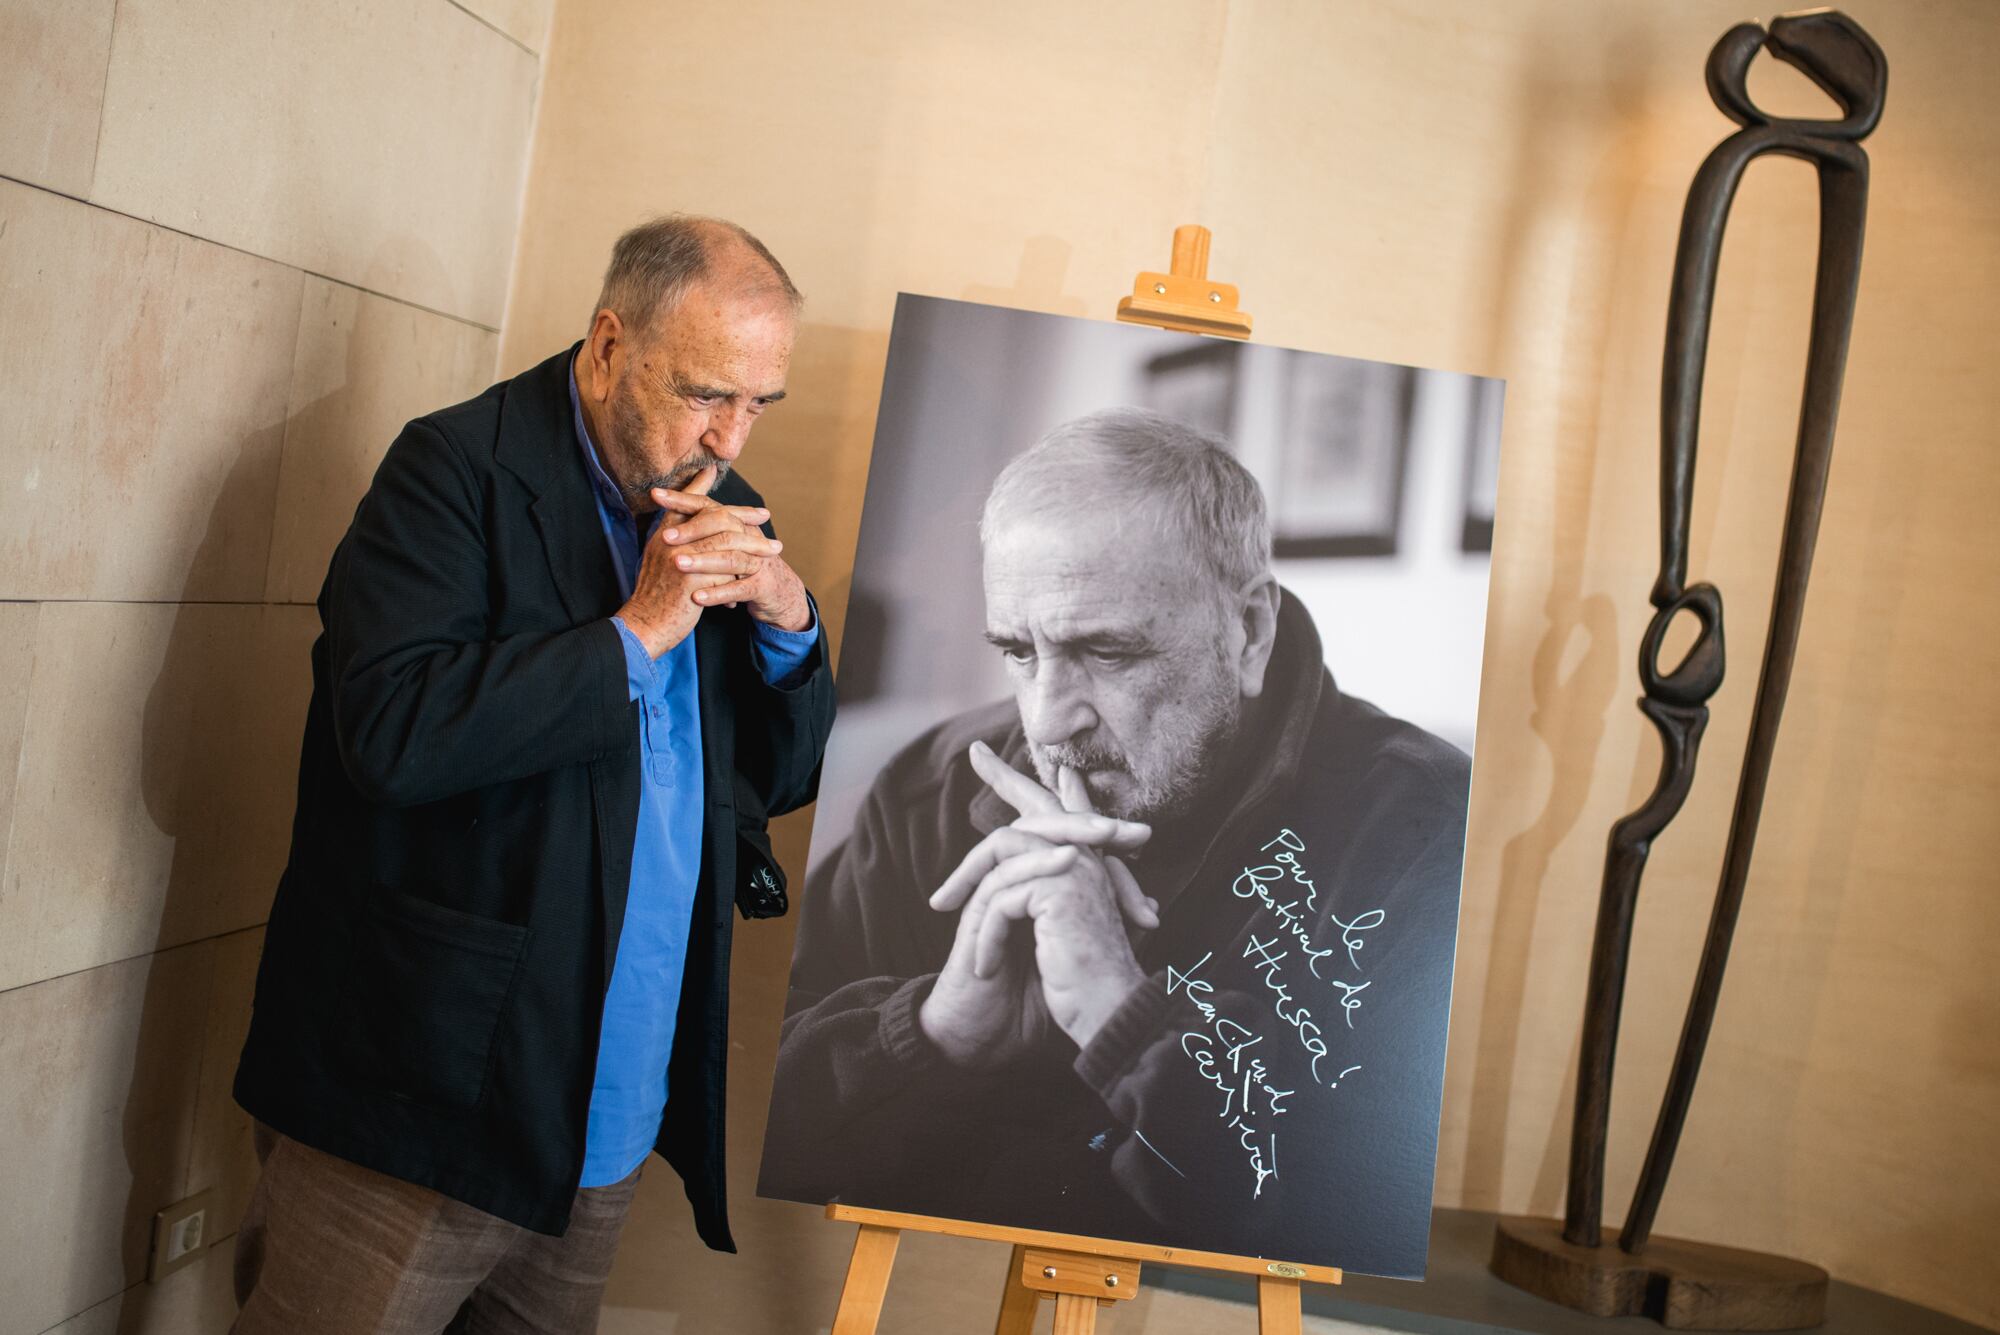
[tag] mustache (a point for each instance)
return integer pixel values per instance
(682, 473)
(1084, 757)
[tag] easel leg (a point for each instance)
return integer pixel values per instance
(867, 1280)
(1075, 1314)
(1278, 1310)
(1017, 1300)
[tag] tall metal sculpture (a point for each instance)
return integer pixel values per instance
(1690, 1285)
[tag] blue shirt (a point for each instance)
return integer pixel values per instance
(629, 1094)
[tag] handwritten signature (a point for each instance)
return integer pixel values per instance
(1219, 1053)
(1223, 1049)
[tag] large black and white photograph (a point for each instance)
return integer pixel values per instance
(1134, 879)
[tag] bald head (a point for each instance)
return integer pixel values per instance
(658, 263)
(1144, 473)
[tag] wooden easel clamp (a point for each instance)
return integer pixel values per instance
(1184, 299)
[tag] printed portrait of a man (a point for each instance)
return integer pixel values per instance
(1157, 945)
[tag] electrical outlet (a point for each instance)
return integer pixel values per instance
(179, 1232)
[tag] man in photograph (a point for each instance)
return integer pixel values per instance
(1159, 948)
(565, 675)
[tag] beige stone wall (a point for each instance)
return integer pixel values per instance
(239, 246)
(1491, 188)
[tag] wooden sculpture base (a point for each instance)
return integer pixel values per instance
(1681, 1285)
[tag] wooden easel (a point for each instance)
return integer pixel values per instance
(1081, 1274)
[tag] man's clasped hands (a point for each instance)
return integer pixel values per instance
(1058, 867)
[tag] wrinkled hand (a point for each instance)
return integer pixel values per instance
(1078, 894)
(986, 1015)
(663, 608)
(1068, 818)
(1083, 956)
(717, 539)
(983, 1022)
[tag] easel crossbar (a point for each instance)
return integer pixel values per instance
(1073, 1242)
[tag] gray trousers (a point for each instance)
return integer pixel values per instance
(330, 1248)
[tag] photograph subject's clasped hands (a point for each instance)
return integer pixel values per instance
(1056, 866)
(706, 554)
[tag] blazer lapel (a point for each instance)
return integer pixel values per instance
(578, 561)
(538, 445)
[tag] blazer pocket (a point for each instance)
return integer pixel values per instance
(425, 997)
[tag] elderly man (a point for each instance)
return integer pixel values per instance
(1160, 948)
(565, 676)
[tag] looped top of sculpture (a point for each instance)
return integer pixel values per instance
(1827, 47)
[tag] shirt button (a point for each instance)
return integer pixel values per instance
(657, 711)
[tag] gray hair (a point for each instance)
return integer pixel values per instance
(1184, 480)
(654, 266)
